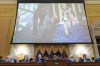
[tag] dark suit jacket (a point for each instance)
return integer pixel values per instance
(26, 60)
(15, 61)
(87, 60)
(68, 61)
(97, 60)
(40, 60)
(1, 61)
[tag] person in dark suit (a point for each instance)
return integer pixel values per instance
(26, 59)
(42, 16)
(92, 59)
(8, 59)
(80, 59)
(1, 59)
(97, 60)
(85, 59)
(72, 59)
(31, 60)
(39, 59)
(13, 60)
(38, 17)
(68, 60)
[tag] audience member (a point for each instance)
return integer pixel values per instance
(39, 59)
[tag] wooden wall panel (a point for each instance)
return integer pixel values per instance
(7, 21)
(93, 13)
(4, 27)
(7, 10)
(95, 19)
(93, 10)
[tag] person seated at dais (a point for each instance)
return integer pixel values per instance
(40, 59)
(80, 59)
(31, 60)
(85, 59)
(72, 59)
(68, 60)
(97, 60)
(1, 59)
(46, 58)
(26, 59)
(92, 59)
(10, 59)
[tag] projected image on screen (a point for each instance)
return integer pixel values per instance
(51, 23)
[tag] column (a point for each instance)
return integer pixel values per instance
(53, 6)
(60, 12)
(73, 7)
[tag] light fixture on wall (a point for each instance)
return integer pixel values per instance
(80, 51)
(21, 52)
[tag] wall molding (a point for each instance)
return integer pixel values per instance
(92, 1)
(8, 1)
(8, 10)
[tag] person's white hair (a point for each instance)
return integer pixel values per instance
(71, 56)
(9, 57)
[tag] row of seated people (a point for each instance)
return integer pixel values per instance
(40, 59)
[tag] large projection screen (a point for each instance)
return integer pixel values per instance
(51, 23)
